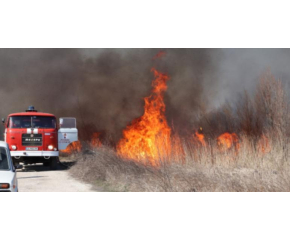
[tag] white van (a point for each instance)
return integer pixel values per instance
(8, 180)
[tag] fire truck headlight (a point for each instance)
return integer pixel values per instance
(13, 147)
(50, 147)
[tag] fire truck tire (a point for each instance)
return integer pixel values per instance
(46, 164)
(53, 163)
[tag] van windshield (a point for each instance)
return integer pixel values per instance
(4, 164)
(32, 122)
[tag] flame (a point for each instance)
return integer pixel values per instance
(264, 145)
(160, 54)
(177, 149)
(73, 147)
(228, 140)
(95, 140)
(199, 137)
(76, 147)
(148, 137)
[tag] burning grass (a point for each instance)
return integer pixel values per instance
(199, 169)
(142, 140)
(238, 149)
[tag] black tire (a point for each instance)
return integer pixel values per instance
(46, 164)
(53, 163)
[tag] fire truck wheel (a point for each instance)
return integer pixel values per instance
(46, 164)
(53, 163)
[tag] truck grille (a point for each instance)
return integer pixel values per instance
(31, 139)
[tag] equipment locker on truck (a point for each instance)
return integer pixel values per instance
(34, 137)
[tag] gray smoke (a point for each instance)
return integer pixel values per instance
(241, 68)
(104, 88)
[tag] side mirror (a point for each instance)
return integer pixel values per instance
(3, 120)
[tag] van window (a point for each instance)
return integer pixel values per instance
(4, 164)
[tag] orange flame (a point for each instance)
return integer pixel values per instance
(76, 147)
(199, 138)
(148, 137)
(228, 140)
(73, 147)
(95, 140)
(264, 145)
(159, 55)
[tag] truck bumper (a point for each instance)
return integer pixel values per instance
(34, 153)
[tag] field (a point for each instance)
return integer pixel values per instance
(248, 171)
(236, 148)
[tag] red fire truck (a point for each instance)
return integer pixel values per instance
(34, 137)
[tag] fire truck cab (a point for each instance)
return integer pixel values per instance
(34, 137)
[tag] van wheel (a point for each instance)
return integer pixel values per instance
(53, 163)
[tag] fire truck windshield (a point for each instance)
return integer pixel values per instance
(31, 122)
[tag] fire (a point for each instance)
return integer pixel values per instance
(148, 137)
(74, 147)
(228, 140)
(159, 55)
(264, 145)
(95, 140)
(199, 137)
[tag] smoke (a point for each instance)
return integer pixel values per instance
(104, 88)
(241, 68)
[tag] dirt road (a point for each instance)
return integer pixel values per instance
(37, 178)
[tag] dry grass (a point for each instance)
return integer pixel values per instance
(206, 168)
(201, 169)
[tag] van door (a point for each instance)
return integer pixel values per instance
(67, 132)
